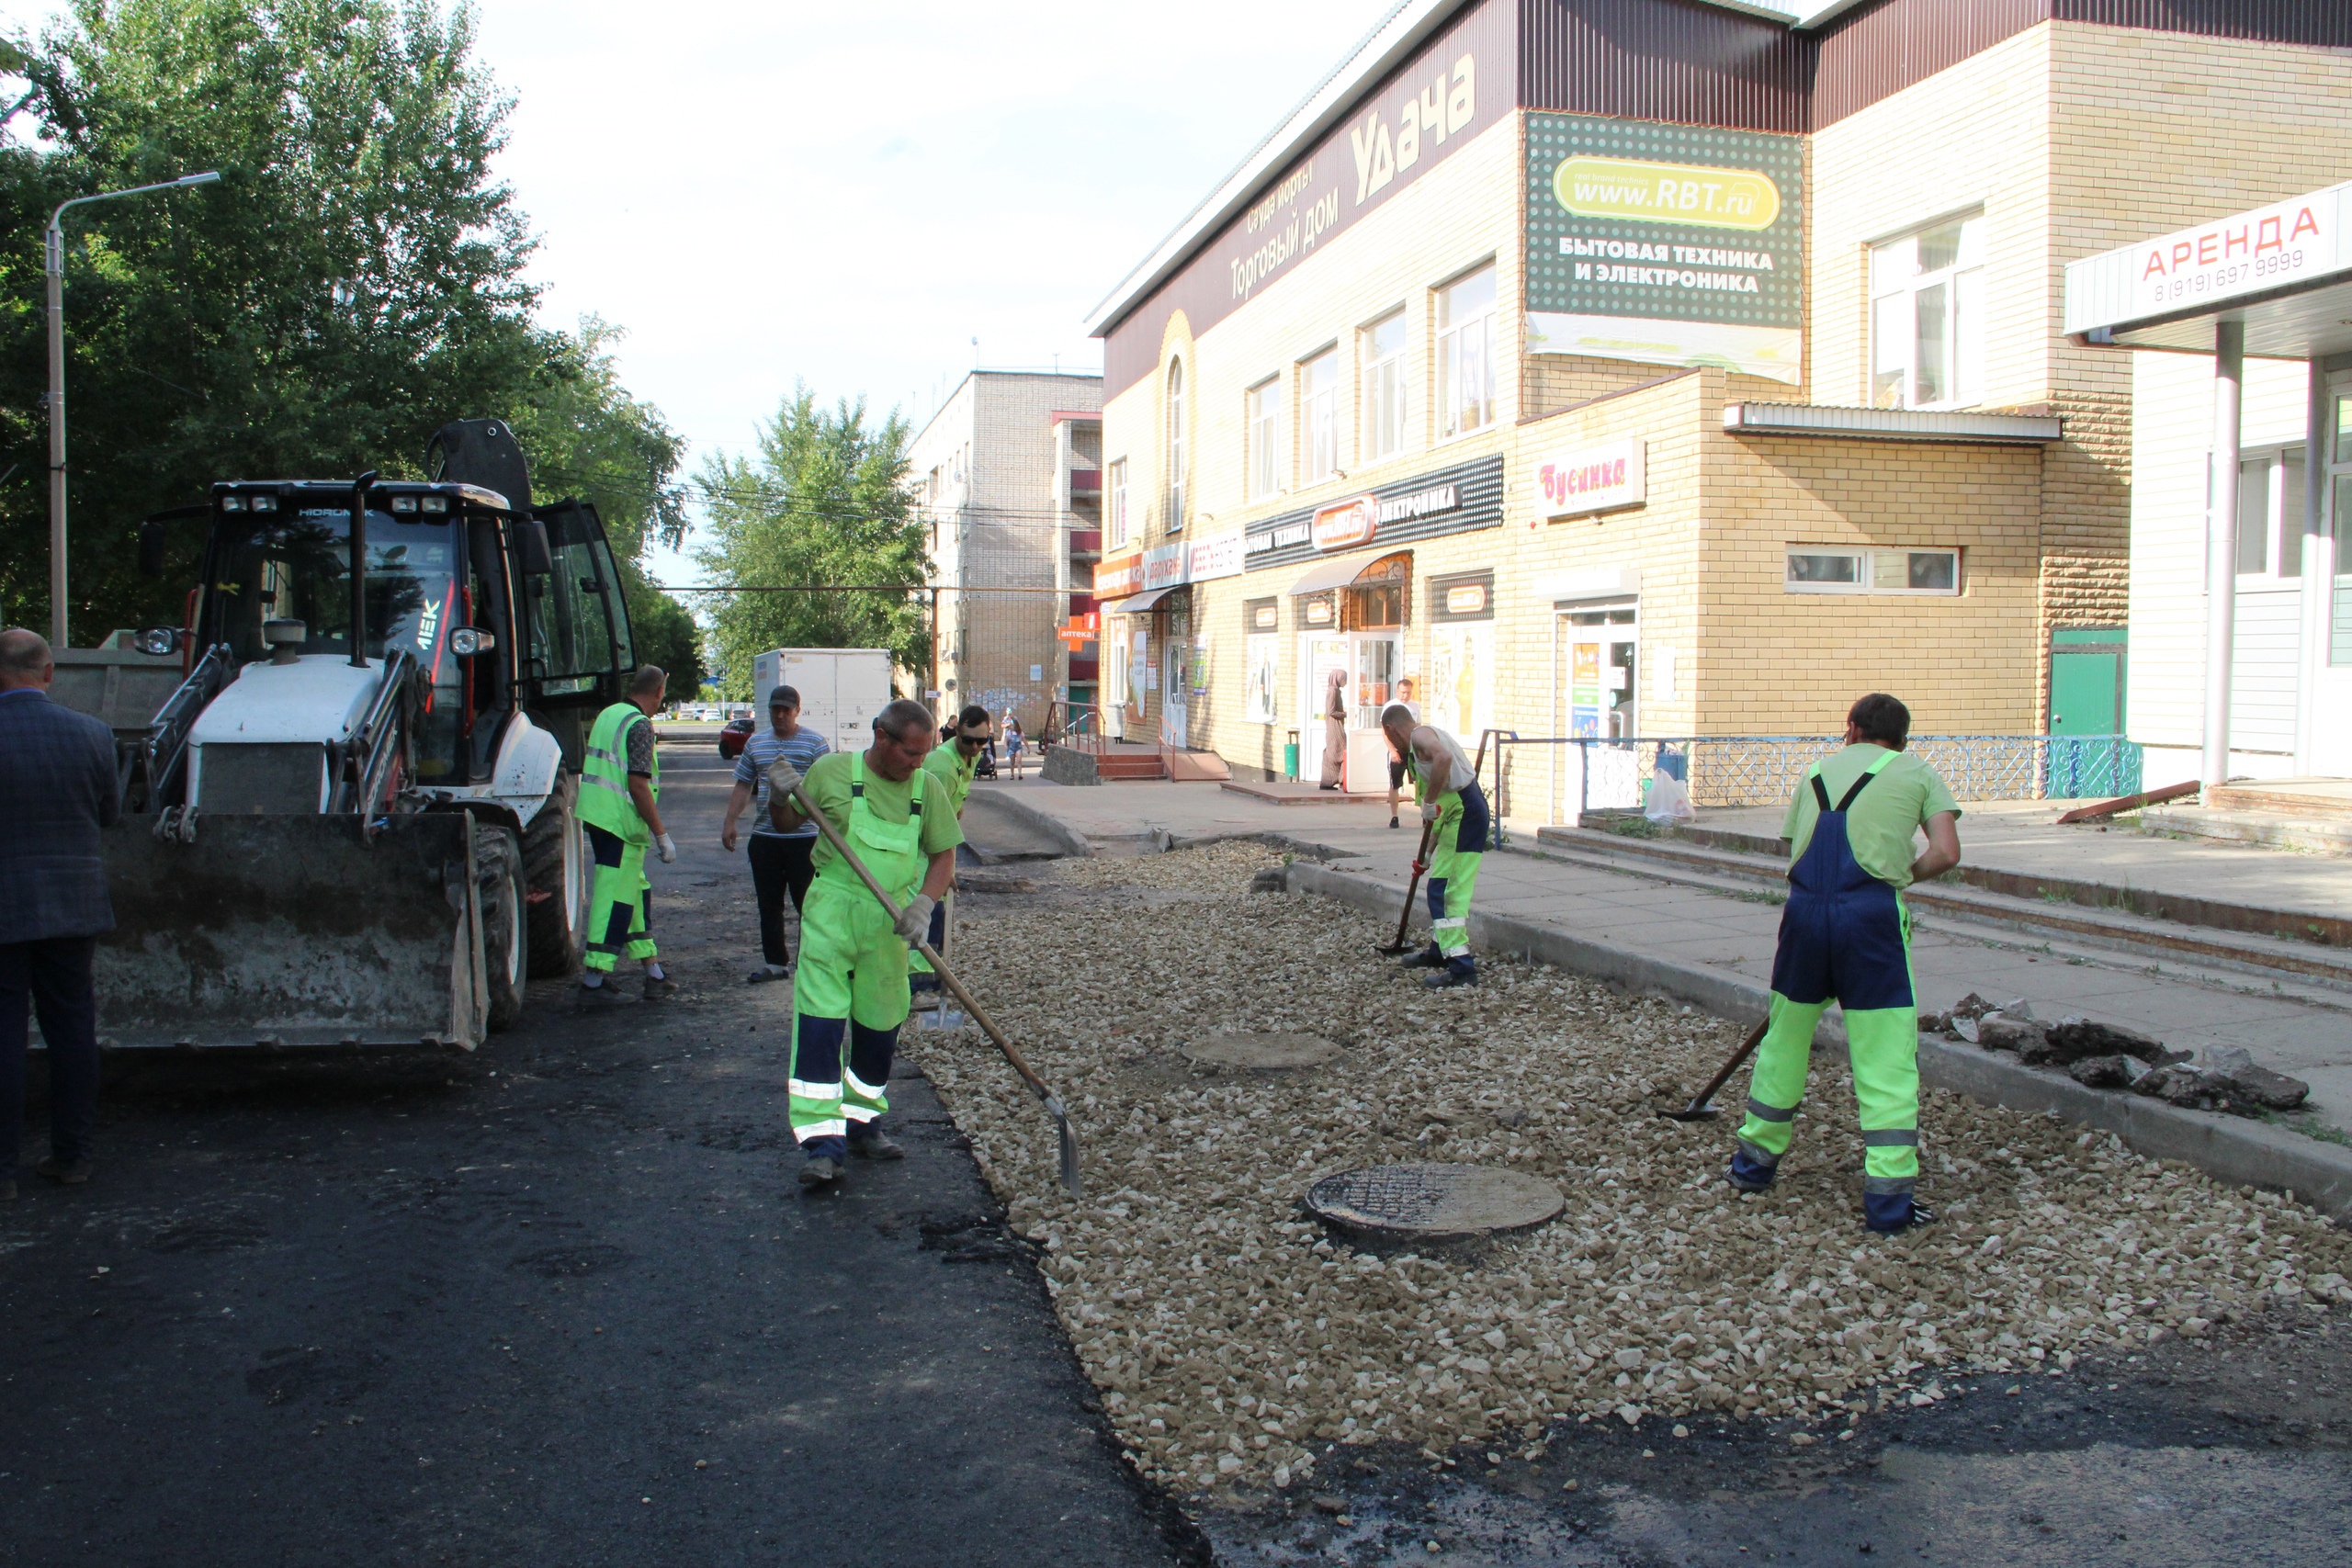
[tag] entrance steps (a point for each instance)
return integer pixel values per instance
(2315, 948)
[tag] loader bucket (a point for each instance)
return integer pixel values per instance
(293, 931)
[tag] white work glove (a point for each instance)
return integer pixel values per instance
(1429, 810)
(666, 847)
(783, 779)
(914, 919)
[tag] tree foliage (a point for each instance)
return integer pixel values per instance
(353, 282)
(823, 501)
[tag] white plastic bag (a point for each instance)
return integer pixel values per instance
(1667, 801)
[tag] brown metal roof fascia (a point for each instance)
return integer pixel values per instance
(1667, 60)
(2324, 24)
(1875, 51)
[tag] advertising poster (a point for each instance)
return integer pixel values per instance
(1262, 652)
(1667, 244)
(1584, 691)
(1459, 694)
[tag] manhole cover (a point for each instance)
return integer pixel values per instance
(1262, 1050)
(1433, 1201)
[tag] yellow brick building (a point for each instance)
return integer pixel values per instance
(1662, 368)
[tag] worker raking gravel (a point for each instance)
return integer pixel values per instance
(1454, 810)
(1235, 1340)
(849, 996)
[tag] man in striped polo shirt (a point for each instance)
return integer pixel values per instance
(779, 860)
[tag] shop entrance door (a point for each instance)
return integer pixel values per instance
(1318, 659)
(1377, 657)
(1598, 689)
(1172, 693)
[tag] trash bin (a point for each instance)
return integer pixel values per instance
(1290, 757)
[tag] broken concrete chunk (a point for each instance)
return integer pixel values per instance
(2076, 1038)
(2271, 1090)
(1269, 880)
(2020, 1008)
(1970, 1006)
(1964, 1025)
(2003, 1031)
(2180, 1084)
(2101, 1072)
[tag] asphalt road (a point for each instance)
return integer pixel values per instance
(559, 1302)
(556, 1302)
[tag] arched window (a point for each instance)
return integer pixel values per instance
(1175, 466)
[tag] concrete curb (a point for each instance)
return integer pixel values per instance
(1071, 840)
(2228, 1148)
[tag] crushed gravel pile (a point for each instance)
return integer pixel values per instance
(1235, 1340)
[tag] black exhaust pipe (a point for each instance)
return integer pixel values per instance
(359, 568)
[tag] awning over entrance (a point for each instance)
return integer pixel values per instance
(1141, 603)
(2284, 270)
(1340, 573)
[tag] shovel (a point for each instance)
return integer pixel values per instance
(1699, 1110)
(1428, 832)
(948, 978)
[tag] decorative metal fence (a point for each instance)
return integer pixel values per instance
(1560, 777)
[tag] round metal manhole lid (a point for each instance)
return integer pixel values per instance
(1433, 1201)
(1267, 1051)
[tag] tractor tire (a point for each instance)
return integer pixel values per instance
(557, 869)
(505, 922)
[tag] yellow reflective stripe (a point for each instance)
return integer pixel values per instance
(802, 1091)
(860, 1088)
(861, 1114)
(835, 1128)
(1451, 922)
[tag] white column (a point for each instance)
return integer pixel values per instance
(2222, 546)
(2309, 510)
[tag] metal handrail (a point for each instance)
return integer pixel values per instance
(1613, 771)
(376, 745)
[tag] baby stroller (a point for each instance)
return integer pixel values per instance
(985, 768)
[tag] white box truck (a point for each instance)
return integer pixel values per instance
(841, 689)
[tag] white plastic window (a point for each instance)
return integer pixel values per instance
(1261, 447)
(1928, 317)
(1318, 415)
(1382, 346)
(1465, 323)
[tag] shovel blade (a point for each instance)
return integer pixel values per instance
(1692, 1113)
(1070, 1158)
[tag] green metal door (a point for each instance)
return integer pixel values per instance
(2086, 692)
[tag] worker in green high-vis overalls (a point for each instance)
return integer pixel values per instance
(620, 786)
(1456, 807)
(953, 763)
(1846, 937)
(849, 996)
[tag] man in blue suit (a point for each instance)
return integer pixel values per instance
(56, 790)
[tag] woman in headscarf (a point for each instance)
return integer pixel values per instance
(1335, 727)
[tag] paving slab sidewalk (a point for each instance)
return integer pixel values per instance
(2296, 1031)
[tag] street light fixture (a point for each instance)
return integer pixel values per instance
(55, 265)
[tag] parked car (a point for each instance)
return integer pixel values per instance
(732, 738)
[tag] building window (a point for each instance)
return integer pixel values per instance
(2270, 515)
(1465, 354)
(1119, 503)
(1318, 415)
(1928, 317)
(1175, 455)
(1819, 569)
(1259, 444)
(1383, 385)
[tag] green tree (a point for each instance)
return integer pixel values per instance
(354, 281)
(824, 500)
(588, 436)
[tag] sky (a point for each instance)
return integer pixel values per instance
(760, 191)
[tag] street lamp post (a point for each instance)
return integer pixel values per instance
(55, 266)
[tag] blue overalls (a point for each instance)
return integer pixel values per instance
(1845, 936)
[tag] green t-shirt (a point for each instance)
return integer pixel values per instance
(1880, 824)
(827, 784)
(953, 770)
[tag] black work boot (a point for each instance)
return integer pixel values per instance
(875, 1144)
(1447, 978)
(599, 998)
(1422, 958)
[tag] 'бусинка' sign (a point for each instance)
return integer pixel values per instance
(1670, 245)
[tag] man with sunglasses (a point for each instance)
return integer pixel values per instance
(780, 861)
(953, 762)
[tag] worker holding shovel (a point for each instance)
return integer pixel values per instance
(952, 764)
(850, 995)
(1846, 937)
(1454, 806)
